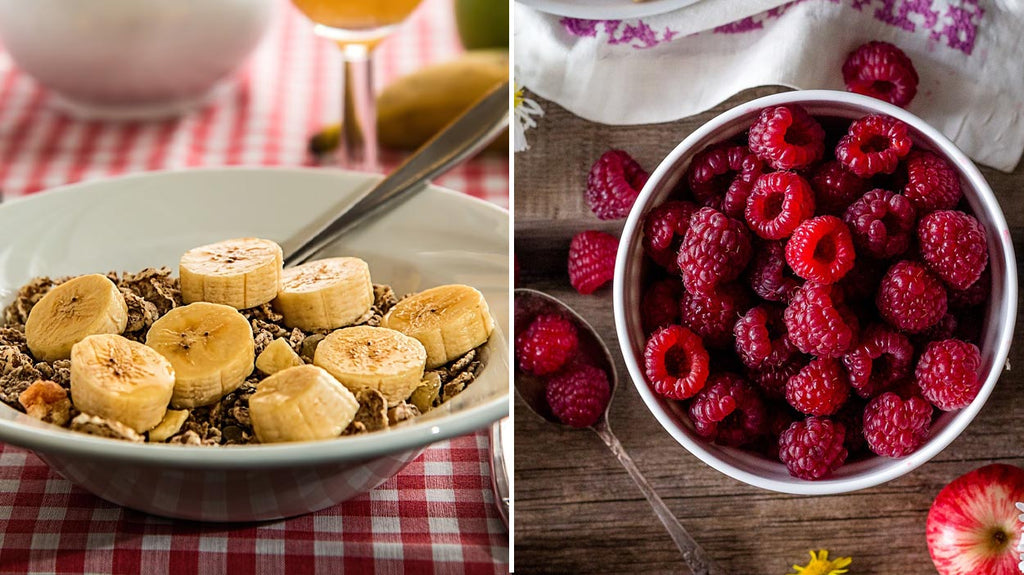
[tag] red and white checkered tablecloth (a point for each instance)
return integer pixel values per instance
(436, 516)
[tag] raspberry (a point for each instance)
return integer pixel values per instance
(579, 395)
(835, 188)
(787, 137)
(675, 362)
(614, 182)
(769, 276)
(660, 304)
(944, 329)
(883, 357)
(728, 411)
(953, 246)
(910, 298)
(713, 315)
(772, 379)
(813, 448)
(820, 388)
(664, 228)
(821, 250)
(975, 295)
(883, 71)
(777, 205)
(818, 322)
(591, 260)
(881, 223)
(547, 344)
(761, 337)
(722, 176)
(947, 374)
(932, 183)
(874, 145)
(895, 427)
(715, 250)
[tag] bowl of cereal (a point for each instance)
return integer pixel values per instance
(153, 346)
(833, 298)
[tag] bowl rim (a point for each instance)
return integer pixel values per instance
(937, 442)
(47, 439)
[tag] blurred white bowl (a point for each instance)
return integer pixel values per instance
(131, 58)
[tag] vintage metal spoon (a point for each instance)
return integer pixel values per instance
(529, 303)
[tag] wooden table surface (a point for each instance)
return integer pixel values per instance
(576, 509)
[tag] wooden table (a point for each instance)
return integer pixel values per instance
(576, 510)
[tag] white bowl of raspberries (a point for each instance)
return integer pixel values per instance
(815, 292)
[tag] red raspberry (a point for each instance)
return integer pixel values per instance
(728, 411)
(778, 203)
(932, 183)
(722, 176)
(768, 274)
(975, 295)
(787, 137)
(579, 395)
(761, 337)
(547, 344)
(895, 427)
(613, 184)
(819, 323)
(874, 145)
(835, 188)
(883, 71)
(675, 362)
(820, 388)
(813, 448)
(821, 250)
(881, 223)
(592, 260)
(713, 315)
(947, 374)
(664, 228)
(910, 298)
(660, 304)
(772, 379)
(944, 329)
(715, 250)
(953, 246)
(883, 357)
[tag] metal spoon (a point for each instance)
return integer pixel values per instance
(529, 303)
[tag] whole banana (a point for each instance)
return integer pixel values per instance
(68, 313)
(364, 357)
(448, 320)
(241, 273)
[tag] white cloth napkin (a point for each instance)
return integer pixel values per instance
(969, 55)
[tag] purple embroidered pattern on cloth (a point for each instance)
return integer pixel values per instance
(953, 22)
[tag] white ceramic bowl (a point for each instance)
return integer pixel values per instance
(145, 220)
(131, 58)
(751, 468)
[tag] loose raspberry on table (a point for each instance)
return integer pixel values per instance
(973, 296)
(713, 315)
(547, 344)
(578, 395)
(715, 250)
(659, 306)
(779, 202)
(761, 337)
(613, 184)
(835, 188)
(787, 137)
(819, 323)
(895, 427)
(883, 357)
(772, 379)
(768, 274)
(664, 228)
(821, 250)
(592, 260)
(932, 183)
(729, 411)
(947, 374)
(882, 223)
(813, 448)
(883, 71)
(953, 246)
(722, 176)
(820, 388)
(874, 145)
(911, 298)
(675, 362)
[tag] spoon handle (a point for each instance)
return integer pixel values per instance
(693, 554)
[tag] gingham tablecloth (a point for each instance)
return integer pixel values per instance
(436, 516)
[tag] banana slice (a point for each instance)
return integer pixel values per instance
(448, 320)
(277, 356)
(241, 273)
(84, 306)
(122, 380)
(325, 294)
(211, 348)
(373, 357)
(301, 403)
(171, 424)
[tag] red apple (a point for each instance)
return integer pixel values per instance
(972, 525)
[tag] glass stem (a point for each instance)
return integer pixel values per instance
(358, 147)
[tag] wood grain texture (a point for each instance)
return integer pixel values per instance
(576, 510)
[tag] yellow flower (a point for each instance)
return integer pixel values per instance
(525, 110)
(820, 565)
